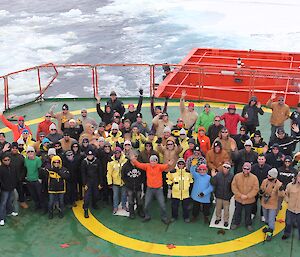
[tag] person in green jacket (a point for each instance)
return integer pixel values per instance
(205, 119)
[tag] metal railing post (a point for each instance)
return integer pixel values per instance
(152, 82)
(6, 98)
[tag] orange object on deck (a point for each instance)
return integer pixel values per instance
(234, 76)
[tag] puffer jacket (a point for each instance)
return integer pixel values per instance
(181, 181)
(114, 171)
(246, 185)
(201, 184)
(115, 140)
(222, 185)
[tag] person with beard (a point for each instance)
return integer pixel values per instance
(241, 138)
(59, 151)
(228, 143)
(84, 119)
(216, 157)
(252, 109)
(133, 179)
(205, 119)
(72, 164)
(56, 176)
(17, 161)
(286, 173)
(101, 132)
(132, 112)
(260, 170)
(66, 141)
(21, 146)
(244, 187)
(127, 127)
(115, 103)
(74, 129)
(142, 125)
(275, 157)
(292, 197)
(114, 179)
(8, 182)
(188, 114)
(91, 179)
(270, 190)
(259, 145)
(104, 155)
(244, 155)
(54, 136)
(62, 117)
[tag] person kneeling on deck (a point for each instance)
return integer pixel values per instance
(154, 184)
(201, 192)
(222, 184)
(91, 180)
(133, 179)
(57, 176)
(292, 197)
(180, 180)
(244, 187)
(270, 189)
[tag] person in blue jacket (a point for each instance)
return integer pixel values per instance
(201, 192)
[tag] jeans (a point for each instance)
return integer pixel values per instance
(185, 207)
(159, 195)
(134, 197)
(116, 199)
(6, 205)
(15, 201)
(35, 190)
(270, 217)
(290, 219)
(237, 217)
(56, 198)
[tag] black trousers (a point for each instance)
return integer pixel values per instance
(185, 207)
(237, 217)
(197, 206)
(91, 195)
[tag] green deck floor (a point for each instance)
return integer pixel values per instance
(33, 235)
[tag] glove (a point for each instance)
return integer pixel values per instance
(99, 187)
(159, 140)
(141, 91)
(201, 194)
(86, 188)
(177, 141)
(281, 188)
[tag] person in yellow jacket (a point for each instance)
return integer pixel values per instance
(180, 181)
(184, 141)
(115, 136)
(114, 179)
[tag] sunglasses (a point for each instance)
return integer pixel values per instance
(127, 144)
(246, 168)
(26, 133)
(76, 146)
(30, 151)
(20, 144)
(116, 116)
(106, 146)
(242, 130)
(280, 100)
(224, 132)
(226, 167)
(48, 116)
(52, 129)
(170, 144)
(218, 120)
(42, 136)
(56, 162)
(287, 161)
(6, 160)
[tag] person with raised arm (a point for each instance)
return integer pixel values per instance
(188, 114)
(154, 184)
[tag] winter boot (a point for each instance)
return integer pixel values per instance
(86, 213)
(60, 214)
(131, 211)
(269, 235)
(140, 211)
(265, 229)
(50, 215)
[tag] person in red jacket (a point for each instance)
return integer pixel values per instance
(44, 125)
(16, 129)
(232, 119)
(154, 184)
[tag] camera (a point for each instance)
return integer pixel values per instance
(266, 197)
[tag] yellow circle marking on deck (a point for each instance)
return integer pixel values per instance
(77, 112)
(100, 230)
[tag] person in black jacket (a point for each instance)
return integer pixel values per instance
(132, 113)
(17, 161)
(214, 129)
(241, 138)
(286, 173)
(252, 109)
(260, 170)
(133, 179)
(275, 157)
(116, 104)
(91, 179)
(74, 129)
(57, 175)
(4, 145)
(222, 185)
(8, 182)
(104, 155)
(106, 115)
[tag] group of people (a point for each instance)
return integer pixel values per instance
(125, 162)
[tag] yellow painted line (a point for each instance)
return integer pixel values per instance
(100, 230)
(172, 104)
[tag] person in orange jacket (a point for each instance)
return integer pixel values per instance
(203, 140)
(16, 129)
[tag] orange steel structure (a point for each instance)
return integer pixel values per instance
(206, 74)
(234, 76)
